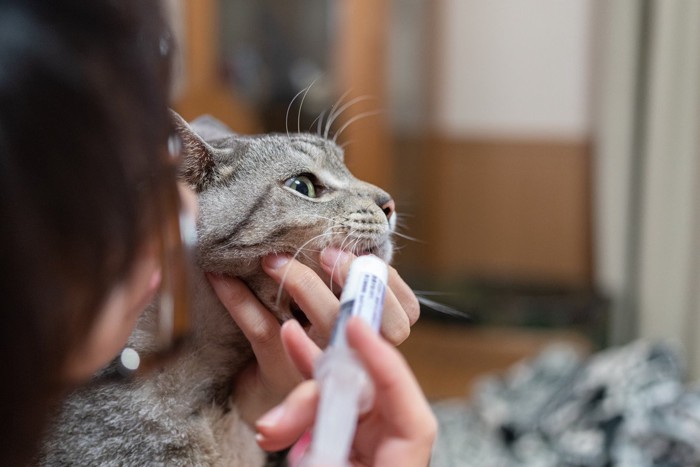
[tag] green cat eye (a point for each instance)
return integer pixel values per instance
(302, 184)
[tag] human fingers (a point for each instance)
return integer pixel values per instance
(404, 294)
(398, 394)
(272, 375)
(300, 348)
(284, 424)
(257, 323)
(401, 309)
(308, 290)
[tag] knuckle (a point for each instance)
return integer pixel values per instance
(261, 332)
(304, 280)
(412, 310)
(397, 333)
(230, 292)
(234, 301)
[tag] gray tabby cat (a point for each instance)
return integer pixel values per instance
(257, 195)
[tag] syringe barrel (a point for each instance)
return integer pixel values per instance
(363, 296)
(343, 379)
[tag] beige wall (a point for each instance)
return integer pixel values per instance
(513, 69)
(516, 211)
(503, 174)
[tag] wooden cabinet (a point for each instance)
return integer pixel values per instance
(358, 56)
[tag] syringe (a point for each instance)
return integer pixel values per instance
(345, 385)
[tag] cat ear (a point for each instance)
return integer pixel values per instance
(210, 129)
(198, 166)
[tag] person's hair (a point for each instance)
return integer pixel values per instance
(83, 130)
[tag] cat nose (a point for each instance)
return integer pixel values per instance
(388, 207)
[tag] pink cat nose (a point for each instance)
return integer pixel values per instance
(389, 207)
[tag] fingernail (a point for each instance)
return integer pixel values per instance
(334, 256)
(271, 418)
(276, 261)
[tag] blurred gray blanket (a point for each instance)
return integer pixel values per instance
(627, 406)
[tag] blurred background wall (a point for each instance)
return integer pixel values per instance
(507, 99)
(543, 154)
(647, 201)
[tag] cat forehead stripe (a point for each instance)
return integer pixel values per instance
(312, 149)
(330, 179)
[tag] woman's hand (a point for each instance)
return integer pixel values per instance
(399, 429)
(320, 305)
(272, 375)
(270, 378)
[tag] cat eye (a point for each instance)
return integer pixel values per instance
(302, 184)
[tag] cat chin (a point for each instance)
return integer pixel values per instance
(384, 251)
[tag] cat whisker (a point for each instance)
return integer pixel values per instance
(439, 307)
(348, 235)
(354, 119)
(335, 265)
(401, 222)
(330, 120)
(326, 233)
(294, 256)
(308, 257)
(334, 115)
(301, 104)
(398, 248)
(346, 144)
(319, 216)
(319, 121)
(312, 250)
(330, 231)
(335, 221)
(407, 237)
(356, 247)
(289, 108)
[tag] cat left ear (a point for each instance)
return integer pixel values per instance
(210, 129)
(198, 166)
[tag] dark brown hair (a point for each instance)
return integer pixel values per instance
(83, 127)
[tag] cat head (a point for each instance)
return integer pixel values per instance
(277, 193)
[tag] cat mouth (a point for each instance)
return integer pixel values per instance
(299, 315)
(366, 248)
(382, 250)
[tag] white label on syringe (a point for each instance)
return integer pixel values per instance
(363, 295)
